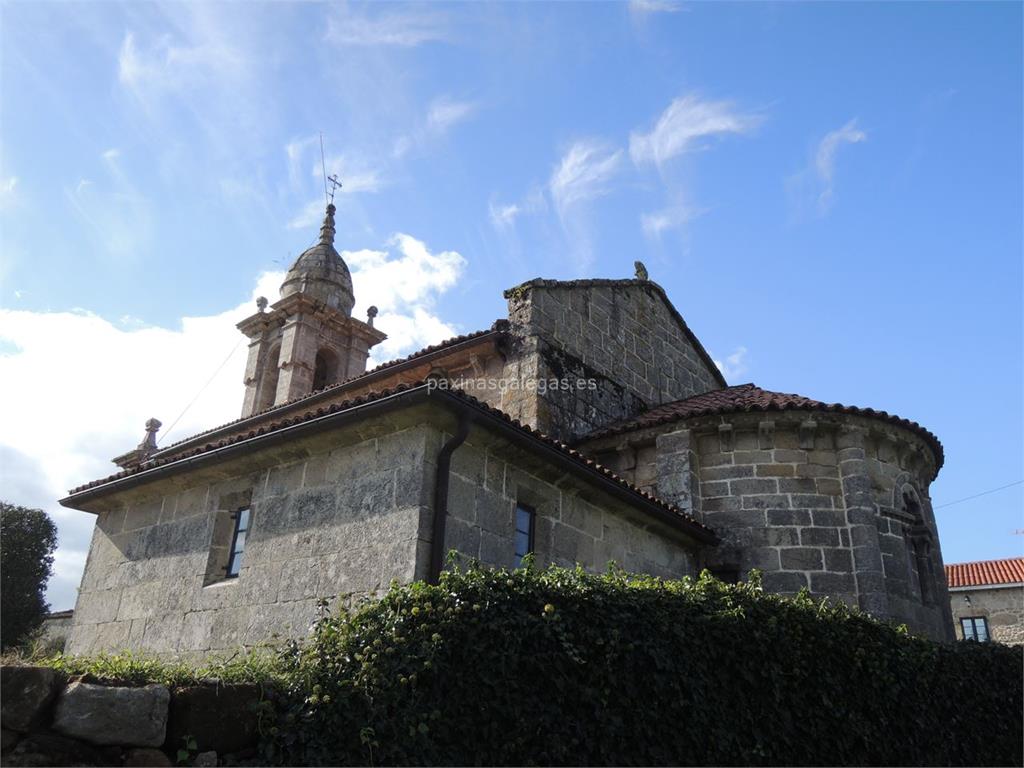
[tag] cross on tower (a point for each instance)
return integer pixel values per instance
(335, 185)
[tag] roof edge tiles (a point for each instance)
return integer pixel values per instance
(986, 573)
(749, 398)
(387, 368)
(336, 413)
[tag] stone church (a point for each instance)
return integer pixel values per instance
(588, 426)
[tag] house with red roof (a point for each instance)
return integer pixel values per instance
(588, 426)
(987, 600)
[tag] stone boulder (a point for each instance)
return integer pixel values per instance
(146, 757)
(220, 718)
(46, 749)
(25, 696)
(131, 717)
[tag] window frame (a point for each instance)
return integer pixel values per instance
(517, 559)
(974, 628)
(234, 555)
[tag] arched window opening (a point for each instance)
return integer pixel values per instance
(919, 545)
(325, 369)
(268, 386)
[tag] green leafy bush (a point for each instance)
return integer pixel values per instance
(562, 667)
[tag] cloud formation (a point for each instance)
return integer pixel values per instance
(405, 29)
(61, 430)
(583, 174)
(734, 365)
(825, 159)
(680, 127)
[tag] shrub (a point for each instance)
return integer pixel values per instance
(26, 563)
(563, 667)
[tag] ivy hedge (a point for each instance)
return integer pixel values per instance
(561, 667)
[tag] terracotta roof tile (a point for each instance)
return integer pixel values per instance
(751, 398)
(986, 573)
(274, 426)
(498, 327)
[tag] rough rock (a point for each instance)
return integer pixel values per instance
(206, 759)
(219, 718)
(147, 757)
(8, 739)
(132, 717)
(46, 749)
(26, 694)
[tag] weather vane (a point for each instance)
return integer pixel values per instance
(335, 186)
(332, 179)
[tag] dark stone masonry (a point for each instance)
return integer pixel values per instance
(589, 426)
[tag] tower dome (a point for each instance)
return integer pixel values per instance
(320, 272)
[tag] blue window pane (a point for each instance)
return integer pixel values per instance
(243, 520)
(235, 564)
(522, 543)
(524, 518)
(240, 542)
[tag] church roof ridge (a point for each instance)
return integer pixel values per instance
(630, 282)
(753, 399)
(186, 458)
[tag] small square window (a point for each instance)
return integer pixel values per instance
(238, 542)
(525, 517)
(975, 628)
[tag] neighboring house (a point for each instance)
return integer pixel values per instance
(589, 426)
(56, 628)
(987, 600)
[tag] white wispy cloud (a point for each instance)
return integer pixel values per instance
(734, 365)
(116, 214)
(645, 7)
(504, 216)
(825, 159)
(656, 223)
(583, 173)
(404, 28)
(169, 65)
(681, 126)
(50, 442)
(443, 114)
(306, 172)
(8, 191)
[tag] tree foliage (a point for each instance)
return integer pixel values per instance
(562, 667)
(27, 540)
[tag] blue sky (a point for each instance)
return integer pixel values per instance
(831, 193)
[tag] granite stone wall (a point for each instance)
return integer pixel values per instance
(1001, 607)
(621, 335)
(808, 499)
(335, 516)
(573, 524)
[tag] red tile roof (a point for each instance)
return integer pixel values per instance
(751, 398)
(496, 329)
(986, 573)
(333, 408)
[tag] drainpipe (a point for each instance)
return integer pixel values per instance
(444, 464)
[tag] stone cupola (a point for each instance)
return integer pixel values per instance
(308, 339)
(320, 272)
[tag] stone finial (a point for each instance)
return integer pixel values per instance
(261, 303)
(641, 270)
(371, 312)
(327, 228)
(148, 444)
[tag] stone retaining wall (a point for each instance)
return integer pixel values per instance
(47, 719)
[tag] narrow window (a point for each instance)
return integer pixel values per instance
(238, 542)
(975, 628)
(524, 532)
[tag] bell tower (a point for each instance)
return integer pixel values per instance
(307, 339)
